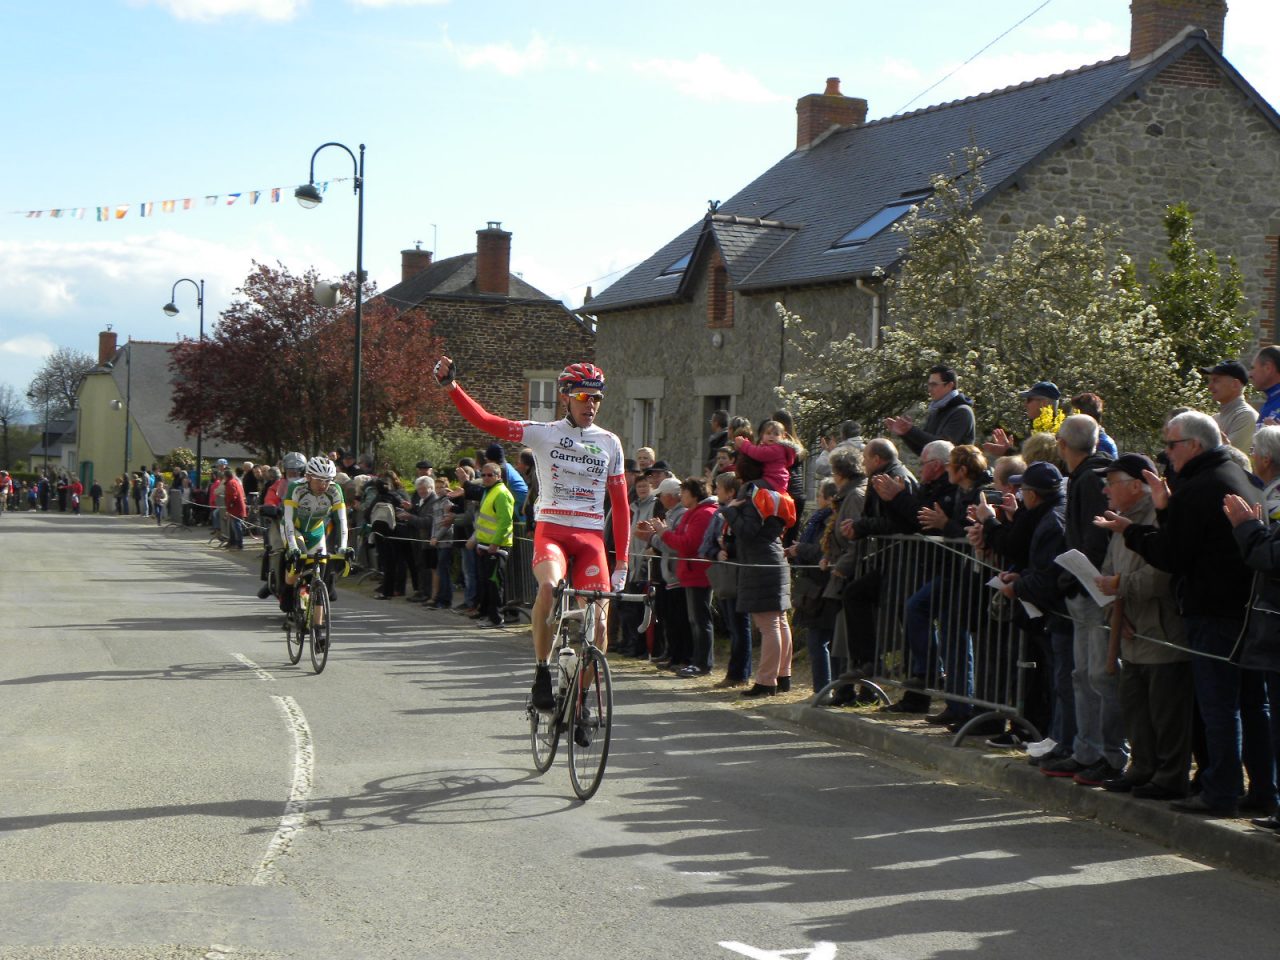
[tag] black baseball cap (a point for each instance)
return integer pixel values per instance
(1230, 368)
(659, 466)
(1129, 463)
(1045, 388)
(423, 465)
(1041, 475)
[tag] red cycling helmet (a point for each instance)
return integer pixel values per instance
(581, 376)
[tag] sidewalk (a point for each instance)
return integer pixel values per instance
(1229, 843)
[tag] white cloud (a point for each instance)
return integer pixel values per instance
(379, 4)
(707, 77)
(28, 345)
(206, 10)
(502, 57)
(898, 69)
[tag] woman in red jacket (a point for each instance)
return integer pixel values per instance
(236, 510)
(685, 539)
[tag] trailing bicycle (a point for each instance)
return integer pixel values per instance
(309, 614)
(583, 688)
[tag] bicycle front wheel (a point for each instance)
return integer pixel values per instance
(590, 724)
(320, 618)
(295, 627)
(544, 736)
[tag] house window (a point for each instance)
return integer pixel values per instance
(542, 400)
(888, 214)
(644, 422)
(677, 268)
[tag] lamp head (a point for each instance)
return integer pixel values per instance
(308, 196)
(171, 309)
(325, 293)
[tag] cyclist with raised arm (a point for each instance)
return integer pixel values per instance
(577, 464)
(310, 506)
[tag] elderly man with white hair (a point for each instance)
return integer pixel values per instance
(1194, 541)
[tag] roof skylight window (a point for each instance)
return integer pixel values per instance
(888, 214)
(678, 267)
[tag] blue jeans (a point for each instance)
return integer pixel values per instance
(920, 630)
(1099, 720)
(444, 571)
(237, 532)
(1062, 729)
(470, 595)
(739, 627)
(1218, 694)
(817, 640)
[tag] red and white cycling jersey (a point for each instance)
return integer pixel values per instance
(576, 466)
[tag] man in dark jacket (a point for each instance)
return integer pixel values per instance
(1099, 752)
(950, 414)
(1195, 543)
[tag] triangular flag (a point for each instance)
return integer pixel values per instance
(210, 200)
(33, 213)
(186, 204)
(55, 213)
(167, 206)
(104, 213)
(324, 187)
(121, 210)
(232, 198)
(79, 214)
(253, 196)
(275, 194)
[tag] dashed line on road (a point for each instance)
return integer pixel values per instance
(295, 809)
(262, 674)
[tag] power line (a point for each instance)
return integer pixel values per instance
(974, 57)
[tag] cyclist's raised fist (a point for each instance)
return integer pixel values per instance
(445, 371)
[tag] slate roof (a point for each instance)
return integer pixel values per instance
(147, 381)
(61, 433)
(453, 277)
(845, 177)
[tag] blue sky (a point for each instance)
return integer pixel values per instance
(593, 131)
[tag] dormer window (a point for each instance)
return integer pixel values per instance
(678, 267)
(887, 215)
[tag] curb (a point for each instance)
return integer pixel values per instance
(1226, 843)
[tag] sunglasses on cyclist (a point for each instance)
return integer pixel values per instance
(586, 397)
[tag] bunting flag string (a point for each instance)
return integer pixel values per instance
(153, 208)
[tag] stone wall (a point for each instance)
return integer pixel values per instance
(668, 353)
(1203, 144)
(499, 345)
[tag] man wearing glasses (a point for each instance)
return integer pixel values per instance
(577, 462)
(950, 414)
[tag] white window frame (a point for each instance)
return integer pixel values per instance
(542, 399)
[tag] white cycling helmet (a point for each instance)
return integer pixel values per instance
(321, 467)
(294, 461)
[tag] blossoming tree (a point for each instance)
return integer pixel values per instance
(1061, 303)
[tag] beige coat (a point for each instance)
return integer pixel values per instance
(1148, 597)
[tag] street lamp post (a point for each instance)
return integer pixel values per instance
(171, 309)
(308, 196)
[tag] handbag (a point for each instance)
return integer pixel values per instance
(723, 579)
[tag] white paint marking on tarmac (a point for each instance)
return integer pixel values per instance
(294, 818)
(822, 950)
(262, 674)
(962, 827)
(924, 864)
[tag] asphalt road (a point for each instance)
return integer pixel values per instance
(171, 788)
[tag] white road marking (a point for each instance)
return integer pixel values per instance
(924, 864)
(821, 950)
(962, 827)
(262, 674)
(295, 809)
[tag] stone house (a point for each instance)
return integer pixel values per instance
(693, 328)
(509, 339)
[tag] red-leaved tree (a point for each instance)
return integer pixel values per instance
(275, 374)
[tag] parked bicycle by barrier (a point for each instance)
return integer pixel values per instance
(584, 689)
(309, 617)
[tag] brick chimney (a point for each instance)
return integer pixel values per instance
(413, 262)
(106, 346)
(1155, 22)
(493, 260)
(817, 113)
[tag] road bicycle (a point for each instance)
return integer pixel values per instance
(583, 688)
(310, 597)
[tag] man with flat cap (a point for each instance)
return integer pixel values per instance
(1235, 417)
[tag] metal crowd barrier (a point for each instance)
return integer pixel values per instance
(919, 616)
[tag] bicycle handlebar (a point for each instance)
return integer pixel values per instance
(564, 590)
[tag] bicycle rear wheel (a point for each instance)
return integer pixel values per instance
(295, 626)
(319, 631)
(590, 724)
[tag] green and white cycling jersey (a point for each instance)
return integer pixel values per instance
(307, 516)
